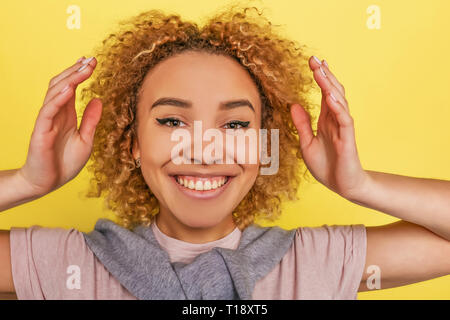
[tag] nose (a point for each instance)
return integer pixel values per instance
(211, 145)
(207, 144)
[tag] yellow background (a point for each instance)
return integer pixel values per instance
(396, 79)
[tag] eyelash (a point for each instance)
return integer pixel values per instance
(164, 121)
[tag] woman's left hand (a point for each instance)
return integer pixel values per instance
(331, 155)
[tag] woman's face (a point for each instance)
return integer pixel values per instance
(199, 86)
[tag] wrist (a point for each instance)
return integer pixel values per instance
(358, 195)
(15, 189)
(27, 190)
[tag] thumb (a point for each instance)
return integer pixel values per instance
(302, 122)
(91, 117)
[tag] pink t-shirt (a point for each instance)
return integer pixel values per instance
(324, 262)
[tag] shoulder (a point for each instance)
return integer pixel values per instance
(318, 239)
(56, 263)
(324, 262)
(39, 256)
(332, 256)
(47, 246)
(331, 239)
(331, 249)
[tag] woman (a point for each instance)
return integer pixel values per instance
(160, 74)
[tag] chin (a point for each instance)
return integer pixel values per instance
(203, 221)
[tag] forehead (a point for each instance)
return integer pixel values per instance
(200, 77)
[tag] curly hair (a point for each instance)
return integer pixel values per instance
(278, 66)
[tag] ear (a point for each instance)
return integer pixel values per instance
(135, 150)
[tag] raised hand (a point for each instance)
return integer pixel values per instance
(331, 156)
(58, 150)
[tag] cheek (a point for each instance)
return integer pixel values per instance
(244, 148)
(155, 150)
(155, 145)
(250, 175)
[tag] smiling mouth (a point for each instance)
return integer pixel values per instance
(202, 183)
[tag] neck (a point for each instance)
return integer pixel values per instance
(174, 228)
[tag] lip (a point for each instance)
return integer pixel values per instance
(203, 174)
(204, 194)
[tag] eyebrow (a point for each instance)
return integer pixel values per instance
(186, 104)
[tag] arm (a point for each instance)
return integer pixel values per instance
(404, 253)
(412, 250)
(408, 251)
(15, 189)
(425, 202)
(6, 281)
(56, 154)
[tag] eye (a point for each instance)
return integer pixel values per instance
(170, 122)
(236, 124)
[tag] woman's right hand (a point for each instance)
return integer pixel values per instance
(58, 150)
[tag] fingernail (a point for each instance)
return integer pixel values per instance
(79, 60)
(65, 88)
(82, 67)
(323, 72)
(325, 63)
(88, 60)
(318, 60)
(333, 97)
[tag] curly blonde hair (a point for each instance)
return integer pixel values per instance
(278, 66)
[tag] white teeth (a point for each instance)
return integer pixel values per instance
(201, 185)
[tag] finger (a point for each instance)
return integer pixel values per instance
(344, 119)
(91, 117)
(324, 109)
(315, 64)
(49, 110)
(74, 79)
(325, 84)
(66, 72)
(332, 78)
(302, 122)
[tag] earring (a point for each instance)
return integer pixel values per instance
(138, 162)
